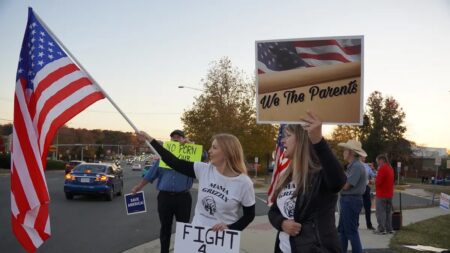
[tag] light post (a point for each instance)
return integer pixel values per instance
(188, 87)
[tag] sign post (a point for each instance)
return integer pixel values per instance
(256, 166)
(437, 163)
(399, 166)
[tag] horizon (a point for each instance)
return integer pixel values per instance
(141, 59)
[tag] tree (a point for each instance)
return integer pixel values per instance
(227, 105)
(382, 130)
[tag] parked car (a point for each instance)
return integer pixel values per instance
(136, 166)
(94, 179)
(71, 164)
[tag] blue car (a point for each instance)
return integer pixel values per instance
(94, 179)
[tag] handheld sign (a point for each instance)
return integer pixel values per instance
(324, 75)
(187, 152)
(135, 203)
(193, 238)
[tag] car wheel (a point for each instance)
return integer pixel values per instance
(69, 195)
(110, 195)
(119, 193)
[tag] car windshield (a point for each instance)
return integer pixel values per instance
(90, 168)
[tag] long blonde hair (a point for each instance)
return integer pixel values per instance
(233, 153)
(303, 162)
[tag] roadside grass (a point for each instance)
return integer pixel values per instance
(432, 232)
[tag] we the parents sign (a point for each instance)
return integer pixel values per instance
(192, 238)
(186, 151)
(323, 75)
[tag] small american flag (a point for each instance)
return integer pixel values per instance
(286, 55)
(281, 163)
(50, 90)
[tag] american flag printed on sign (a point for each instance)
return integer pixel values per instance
(50, 90)
(286, 55)
(281, 163)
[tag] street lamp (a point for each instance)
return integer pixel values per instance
(188, 87)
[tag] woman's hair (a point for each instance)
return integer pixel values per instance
(232, 151)
(303, 162)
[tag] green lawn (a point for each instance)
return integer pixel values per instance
(433, 232)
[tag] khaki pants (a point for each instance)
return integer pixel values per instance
(384, 214)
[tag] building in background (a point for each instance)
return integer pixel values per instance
(424, 160)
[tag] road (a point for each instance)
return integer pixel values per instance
(86, 224)
(91, 224)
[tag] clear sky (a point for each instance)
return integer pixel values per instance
(140, 51)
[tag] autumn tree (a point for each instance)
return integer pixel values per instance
(227, 105)
(382, 130)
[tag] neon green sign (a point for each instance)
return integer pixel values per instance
(187, 152)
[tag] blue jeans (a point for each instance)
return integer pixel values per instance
(351, 206)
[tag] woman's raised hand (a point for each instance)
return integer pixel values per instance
(313, 125)
(143, 136)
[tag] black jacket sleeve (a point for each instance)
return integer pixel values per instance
(184, 167)
(275, 217)
(333, 172)
(247, 218)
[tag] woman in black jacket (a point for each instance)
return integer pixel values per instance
(305, 196)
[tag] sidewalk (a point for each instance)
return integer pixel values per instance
(259, 236)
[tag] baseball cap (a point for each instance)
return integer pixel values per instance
(177, 132)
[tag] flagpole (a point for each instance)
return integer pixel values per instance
(92, 79)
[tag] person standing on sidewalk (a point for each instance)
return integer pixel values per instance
(384, 187)
(223, 184)
(174, 198)
(367, 199)
(305, 198)
(351, 196)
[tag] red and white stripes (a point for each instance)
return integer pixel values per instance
(61, 91)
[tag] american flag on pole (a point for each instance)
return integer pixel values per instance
(281, 163)
(50, 90)
(286, 55)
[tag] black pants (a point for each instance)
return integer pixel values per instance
(169, 205)
(367, 203)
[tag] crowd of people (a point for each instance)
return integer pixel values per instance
(306, 194)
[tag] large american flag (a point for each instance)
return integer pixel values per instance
(281, 163)
(286, 55)
(50, 90)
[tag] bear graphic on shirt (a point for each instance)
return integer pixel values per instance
(289, 207)
(209, 204)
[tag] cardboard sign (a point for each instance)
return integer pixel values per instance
(324, 75)
(444, 201)
(193, 238)
(135, 203)
(187, 152)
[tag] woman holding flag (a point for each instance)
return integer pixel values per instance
(305, 197)
(224, 186)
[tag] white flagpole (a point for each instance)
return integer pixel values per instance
(92, 79)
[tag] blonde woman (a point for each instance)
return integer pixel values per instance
(224, 186)
(306, 194)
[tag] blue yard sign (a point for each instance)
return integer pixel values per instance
(135, 203)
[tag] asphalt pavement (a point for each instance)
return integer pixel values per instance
(86, 224)
(91, 224)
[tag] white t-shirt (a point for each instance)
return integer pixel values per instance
(286, 204)
(220, 197)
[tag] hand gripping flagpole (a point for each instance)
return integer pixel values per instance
(92, 79)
